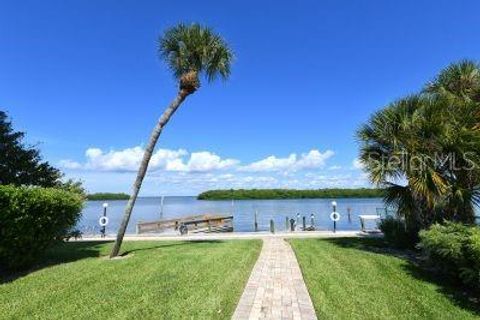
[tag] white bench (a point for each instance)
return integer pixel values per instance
(367, 217)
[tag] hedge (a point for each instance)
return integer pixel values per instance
(397, 234)
(31, 220)
(454, 250)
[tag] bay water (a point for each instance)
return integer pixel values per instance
(243, 211)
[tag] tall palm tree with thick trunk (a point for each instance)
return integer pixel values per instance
(190, 51)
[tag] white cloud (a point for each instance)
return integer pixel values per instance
(186, 173)
(201, 162)
(163, 182)
(314, 159)
(164, 157)
(70, 164)
(311, 160)
(272, 163)
(123, 160)
(357, 164)
(129, 159)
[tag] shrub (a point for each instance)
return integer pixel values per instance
(32, 219)
(454, 250)
(75, 233)
(397, 234)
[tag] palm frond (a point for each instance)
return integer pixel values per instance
(197, 48)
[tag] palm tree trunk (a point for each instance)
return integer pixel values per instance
(167, 114)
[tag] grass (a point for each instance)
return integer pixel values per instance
(155, 280)
(360, 279)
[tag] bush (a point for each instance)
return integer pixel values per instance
(397, 234)
(32, 219)
(454, 250)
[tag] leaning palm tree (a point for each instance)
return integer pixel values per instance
(190, 51)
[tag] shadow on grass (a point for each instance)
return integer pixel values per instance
(453, 290)
(73, 251)
(167, 245)
(61, 253)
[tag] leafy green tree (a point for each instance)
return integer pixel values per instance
(425, 149)
(189, 51)
(21, 164)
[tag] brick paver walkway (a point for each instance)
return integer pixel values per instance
(275, 289)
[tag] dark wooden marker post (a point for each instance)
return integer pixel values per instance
(334, 205)
(103, 231)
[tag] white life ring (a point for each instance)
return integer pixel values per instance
(335, 216)
(103, 221)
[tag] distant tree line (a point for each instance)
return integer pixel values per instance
(252, 194)
(108, 196)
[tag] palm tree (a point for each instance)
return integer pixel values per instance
(424, 149)
(397, 151)
(190, 51)
(457, 81)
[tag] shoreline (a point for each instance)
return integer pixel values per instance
(236, 236)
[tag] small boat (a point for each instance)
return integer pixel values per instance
(206, 223)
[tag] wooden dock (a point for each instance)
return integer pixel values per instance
(205, 223)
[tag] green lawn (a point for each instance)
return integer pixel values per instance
(155, 280)
(360, 279)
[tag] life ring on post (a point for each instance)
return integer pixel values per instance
(103, 221)
(335, 216)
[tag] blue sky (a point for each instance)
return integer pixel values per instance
(83, 79)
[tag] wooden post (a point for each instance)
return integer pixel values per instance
(349, 216)
(286, 223)
(255, 224)
(272, 226)
(304, 223)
